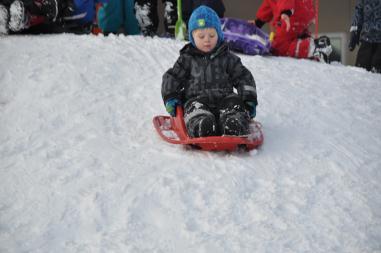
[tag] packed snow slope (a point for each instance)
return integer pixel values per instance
(83, 170)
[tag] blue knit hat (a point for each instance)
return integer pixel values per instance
(204, 17)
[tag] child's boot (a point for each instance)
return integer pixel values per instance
(321, 49)
(18, 18)
(4, 16)
(199, 120)
(206, 127)
(234, 119)
(236, 126)
(202, 126)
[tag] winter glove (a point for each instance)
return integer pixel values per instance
(170, 106)
(354, 40)
(259, 23)
(251, 107)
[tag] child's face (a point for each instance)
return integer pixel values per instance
(205, 39)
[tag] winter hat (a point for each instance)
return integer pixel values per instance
(204, 17)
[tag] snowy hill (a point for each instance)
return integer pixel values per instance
(82, 169)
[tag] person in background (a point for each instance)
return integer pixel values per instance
(18, 15)
(203, 80)
(118, 16)
(366, 29)
(49, 16)
(78, 17)
(291, 21)
(146, 12)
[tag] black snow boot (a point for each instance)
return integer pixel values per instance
(235, 126)
(234, 119)
(322, 49)
(206, 126)
(199, 120)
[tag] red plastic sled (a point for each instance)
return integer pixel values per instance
(173, 130)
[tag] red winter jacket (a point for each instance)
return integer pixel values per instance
(303, 12)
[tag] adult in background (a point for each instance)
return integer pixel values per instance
(366, 29)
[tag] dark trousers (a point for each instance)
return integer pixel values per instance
(147, 15)
(229, 117)
(369, 56)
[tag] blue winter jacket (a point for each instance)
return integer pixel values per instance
(367, 20)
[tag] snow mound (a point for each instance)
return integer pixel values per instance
(83, 170)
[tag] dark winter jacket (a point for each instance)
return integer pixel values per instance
(367, 20)
(208, 77)
(189, 5)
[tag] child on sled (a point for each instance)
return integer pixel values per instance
(203, 81)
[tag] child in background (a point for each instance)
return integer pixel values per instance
(203, 80)
(366, 27)
(291, 20)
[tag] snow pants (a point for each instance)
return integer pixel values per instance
(147, 15)
(369, 56)
(116, 14)
(230, 117)
(293, 43)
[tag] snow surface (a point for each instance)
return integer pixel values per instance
(83, 170)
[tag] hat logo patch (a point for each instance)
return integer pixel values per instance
(201, 22)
